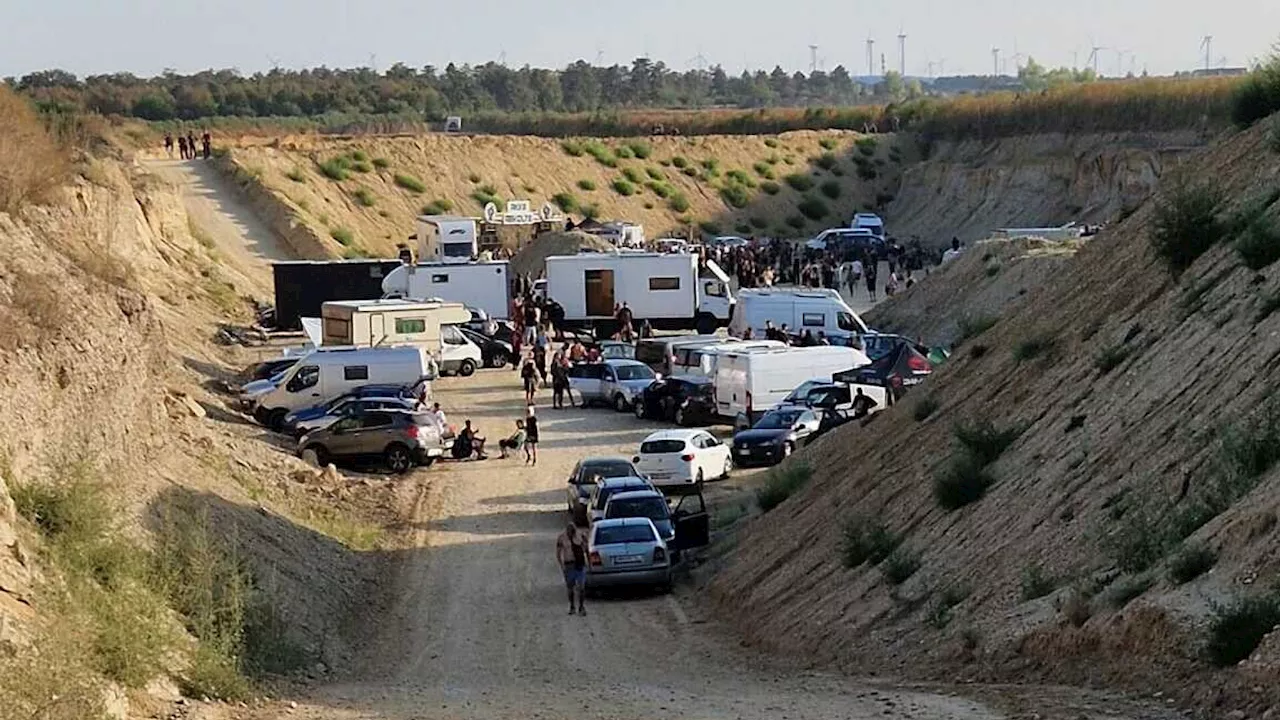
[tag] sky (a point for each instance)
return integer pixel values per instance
(146, 37)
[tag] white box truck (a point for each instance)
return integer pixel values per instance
(388, 323)
(818, 309)
(666, 290)
(749, 384)
(481, 285)
(325, 374)
(446, 238)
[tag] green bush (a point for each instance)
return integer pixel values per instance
(486, 194)
(680, 162)
(799, 182)
(770, 187)
(813, 208)
(1259, 245)
(1258, 95)
(678, 202)
(633, 175)
(741, 178)
(1035, 583)
(565, 201)
(867, 540)
(1247, 449)
(712, 166)
(735, 195)
(796, 222)
(1186, 224)
(826, 161)
(1124, 590)
(344, 236)
(572, 148)
(296, 175)
(742, 228)
(336, 169)
(690, 172)
(983, 440)
(591, 211)
(640, 149)
(410, 183)
(623, 153)
(1273, 134)
(939, 613)
(662, 189)
(758, 223)
(1112, 357)
(973, 326)
(963, 481)
(763, 170)
(781, 483)
(770, 142)
(381, 163)
(884, 198)
(623, 187)
(901, 564)
(363, 197)
(772, 160)
(831, 189)
(359, 156)
(600, 152)
(655, 174)
(1192, 561)
(827, 143)
(1237, 629)
(587, 185)
(1033, 347)
(867, 145)
(924, 407)
(362, 166)
(439, 206)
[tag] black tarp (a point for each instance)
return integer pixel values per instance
(898, 370)
(302, 286)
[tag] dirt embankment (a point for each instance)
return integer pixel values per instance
(968, 189)
(1126, 510)
(360, 196)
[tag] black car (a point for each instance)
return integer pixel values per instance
(494, 353)
(685, 400)
(776, 435)
(582, 480)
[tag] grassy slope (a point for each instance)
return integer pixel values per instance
(1100, 467)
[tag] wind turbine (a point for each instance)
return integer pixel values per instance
(1093, 58)
(699, 61)
(1017, 56)
(1206, 44)
(995, 62)
(813, 59)
(902, 52)
(871, 56)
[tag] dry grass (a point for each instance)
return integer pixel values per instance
(32, 161)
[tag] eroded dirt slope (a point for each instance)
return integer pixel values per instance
(1122, 379)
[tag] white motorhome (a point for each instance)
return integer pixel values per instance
(749, 384)
(666, 290)
(324, 375)
(446, 239)
(482, 285)
(620, 234)
(800, 309)
(387, 323)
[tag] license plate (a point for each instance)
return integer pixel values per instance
(743, 451)
(629, 560)
(659, 476)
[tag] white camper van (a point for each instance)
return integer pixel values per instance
(749, 384)
(324, 375)
(799, 309)
(446, 238)
(666, 290)
(387, 323)
(482, 285)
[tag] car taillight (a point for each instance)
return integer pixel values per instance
(918, 364)
(412, 432)
(659, 554)
(687, 457)
(595, 559)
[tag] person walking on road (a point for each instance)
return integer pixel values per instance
(571, 553)
(531, 438)
(168, 144)
(560, 381)
(529, 375)
(182, 147)
(206, 142)
(871, 270)
(191, 145)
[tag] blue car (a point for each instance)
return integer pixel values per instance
(316, 412)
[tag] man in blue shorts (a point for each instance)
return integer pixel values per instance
(571, 553)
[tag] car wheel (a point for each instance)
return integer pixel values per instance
(639, 410)
(315, 456)
(728, 468)
(467, 368)
(498, 359)
(275, 419)
(619, 403)
(398, 459)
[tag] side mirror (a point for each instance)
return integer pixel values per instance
(635, 459)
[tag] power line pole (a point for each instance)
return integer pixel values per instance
(871, 57)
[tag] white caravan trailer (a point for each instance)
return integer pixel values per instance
(373, 323)
(666, 290)
(749, 384)
(446, 239)
(482, 285)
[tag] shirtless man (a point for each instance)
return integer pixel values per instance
(571, 553)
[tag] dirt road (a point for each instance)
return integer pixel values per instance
(246, 246)
(479, 627)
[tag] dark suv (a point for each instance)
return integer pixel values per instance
(402, 439)
(681, 400)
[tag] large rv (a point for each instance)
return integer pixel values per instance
(482, 285)
(390, 323)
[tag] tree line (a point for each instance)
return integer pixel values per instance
(457, 89)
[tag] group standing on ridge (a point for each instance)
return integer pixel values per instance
(188, 149)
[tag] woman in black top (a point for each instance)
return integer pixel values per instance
(531, 438)
(530, 377)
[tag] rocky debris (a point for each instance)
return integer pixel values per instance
(183, 404)
(15, 571)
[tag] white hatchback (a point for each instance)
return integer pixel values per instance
(682, 457)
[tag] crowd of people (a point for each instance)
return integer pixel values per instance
(187, 148)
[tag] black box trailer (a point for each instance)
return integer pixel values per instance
(302, 286)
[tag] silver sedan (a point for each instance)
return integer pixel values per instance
(627, 551)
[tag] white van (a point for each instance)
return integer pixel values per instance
(749, 384)
(324, 375)
(800, 309)
(702, 360)
(458, 355)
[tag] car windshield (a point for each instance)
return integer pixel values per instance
(660, 447)
(606, 468)
(634, 372)
(651, 351)
(877, 346)
(779, 420)
(606, 492)
(654, 508)
(802, 391)
(617, 534)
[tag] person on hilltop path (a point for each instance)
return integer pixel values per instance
(182, 147)
(191, 145)
(206, 142)
(168, 144)
(571, 554)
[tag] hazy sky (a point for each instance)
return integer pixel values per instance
(147, 36)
